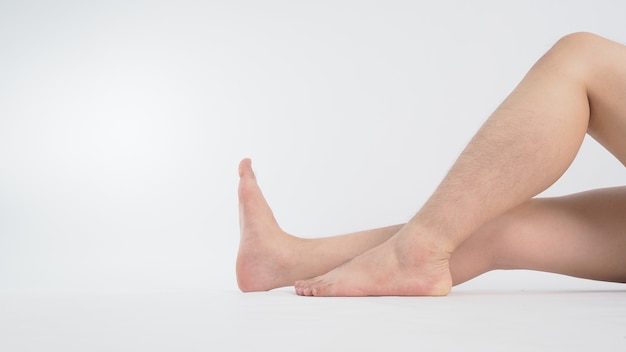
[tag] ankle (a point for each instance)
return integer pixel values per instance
(433, 237)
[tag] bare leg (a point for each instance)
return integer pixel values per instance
(526, 145)
(580, 235)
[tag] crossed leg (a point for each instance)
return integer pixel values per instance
(529, 141)
(581, 235)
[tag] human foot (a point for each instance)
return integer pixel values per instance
(402, 266)
(264, 260)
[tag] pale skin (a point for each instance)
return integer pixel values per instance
(483, 216)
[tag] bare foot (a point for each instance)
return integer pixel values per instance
(402, 266)
(265, 255)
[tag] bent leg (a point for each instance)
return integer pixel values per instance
(525, 146)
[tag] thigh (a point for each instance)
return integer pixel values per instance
(606, 90)
(582, 235)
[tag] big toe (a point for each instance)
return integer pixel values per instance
(245, 168)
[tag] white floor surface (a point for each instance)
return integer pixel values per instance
(227, 320)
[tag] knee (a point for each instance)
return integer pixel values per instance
(576, 54)
(580, 40)
(506, 234)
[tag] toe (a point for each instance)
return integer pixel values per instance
(298, 287)
(245, 168)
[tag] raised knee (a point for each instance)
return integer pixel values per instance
(580, 40)
(577, 54)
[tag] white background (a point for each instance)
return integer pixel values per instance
(122, 124)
